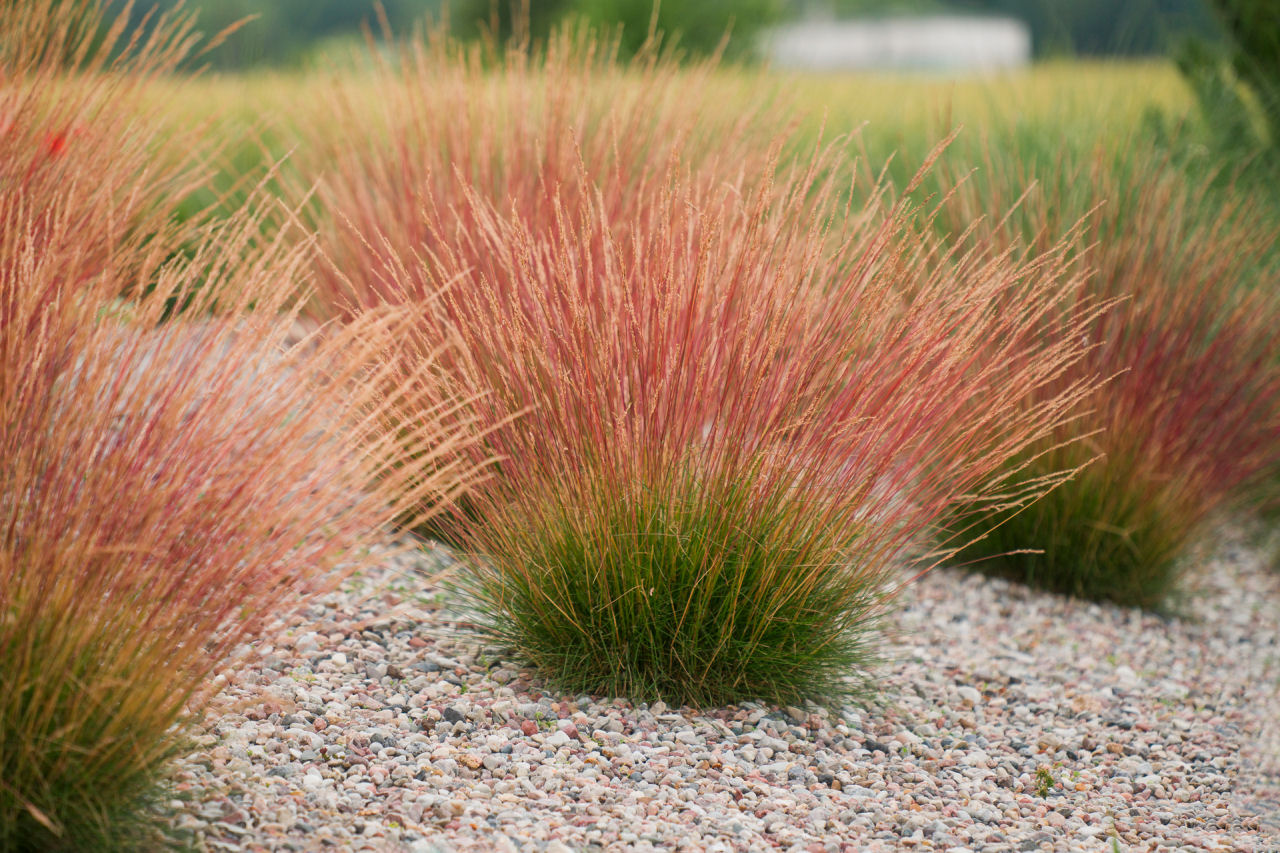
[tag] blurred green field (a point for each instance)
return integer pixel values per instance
(1066, 103)
(1077, 101)
(1038, 115)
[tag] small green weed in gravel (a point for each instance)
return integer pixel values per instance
(1045, 783)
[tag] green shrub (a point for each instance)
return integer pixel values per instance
(1238, 85)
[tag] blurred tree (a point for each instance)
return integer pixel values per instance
(284, 31)
(1225, 76)
(698, 26)
(469, 18)
(1253, 28)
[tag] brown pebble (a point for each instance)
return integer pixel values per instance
(1115, 749)
(529, 727)
(471, 762)
(416, 642)
(320, 724)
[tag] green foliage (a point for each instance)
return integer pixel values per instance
(1045, 783)
(678, 592)
(1254, 29)
(501, 19)
(1109, 534)
(699, 28)
(283, 32)
(1237, 84)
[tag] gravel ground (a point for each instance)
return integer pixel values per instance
(1012, 720)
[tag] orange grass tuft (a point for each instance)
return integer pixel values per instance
(526, 128)
(1192, 416)
(166, 489)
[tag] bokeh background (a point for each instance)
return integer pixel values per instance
(295, 32)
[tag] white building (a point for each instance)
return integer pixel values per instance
(934, 43)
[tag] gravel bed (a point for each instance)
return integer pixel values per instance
(1012, 720)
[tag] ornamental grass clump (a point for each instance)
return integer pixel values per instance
(1190, 420)
(166, 492)
(166, 488)
(724, 412)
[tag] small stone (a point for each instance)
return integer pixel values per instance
(1049, 742)
(529, 727)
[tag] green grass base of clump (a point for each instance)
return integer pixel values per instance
(1263, 528)
(1108, 534)
(92, 815)
(84, 754)
(1267, 502)
(691, 599)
